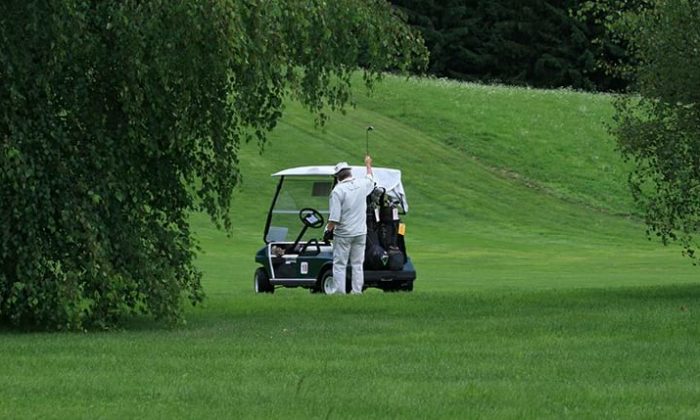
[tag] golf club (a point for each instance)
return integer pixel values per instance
(369, 128)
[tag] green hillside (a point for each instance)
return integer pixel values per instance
(538, 295)
(508, 187)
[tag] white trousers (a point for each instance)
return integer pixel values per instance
(348, 249)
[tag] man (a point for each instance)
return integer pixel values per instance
(347, 223)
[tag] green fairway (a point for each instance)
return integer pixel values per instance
(538, 294)
(596, 353)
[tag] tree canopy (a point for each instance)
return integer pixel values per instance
(119, 118)
(658, 127)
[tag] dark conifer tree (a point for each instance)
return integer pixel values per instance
(526, 42)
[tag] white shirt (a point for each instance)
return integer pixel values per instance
(348, 206)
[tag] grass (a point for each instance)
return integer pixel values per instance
(575, 353)
(538, 295)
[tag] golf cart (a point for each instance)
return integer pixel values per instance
(295, 255)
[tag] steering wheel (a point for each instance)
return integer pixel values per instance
(311, 218)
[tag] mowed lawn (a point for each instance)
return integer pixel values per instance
(538, 295)
(592, 353)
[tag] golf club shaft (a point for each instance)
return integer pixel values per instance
(369, 128)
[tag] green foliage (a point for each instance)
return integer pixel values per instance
(119, 118)
(614, 52)
(659, 130)
(532, 42)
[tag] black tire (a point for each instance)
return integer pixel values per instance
(399, 287)
(406, 287)
(389, 288)
(325, 283)
(261, 282)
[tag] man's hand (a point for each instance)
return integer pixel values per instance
(327, 236)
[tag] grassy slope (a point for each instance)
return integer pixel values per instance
(536, 296)
(541, 209)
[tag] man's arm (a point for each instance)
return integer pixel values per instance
(334, 207)
(328, 233)
(369, 178)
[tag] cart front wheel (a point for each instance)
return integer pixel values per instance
(327, 286)
(261, 282)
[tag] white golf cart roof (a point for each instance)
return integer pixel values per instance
(387, 178)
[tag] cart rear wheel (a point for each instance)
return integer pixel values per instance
(261, 282)
(398, 287)
(326, 284)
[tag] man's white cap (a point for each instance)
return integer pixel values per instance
(340, 166)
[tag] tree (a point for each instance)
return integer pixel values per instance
(119, 118)
(533, 42)
(658, 128)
